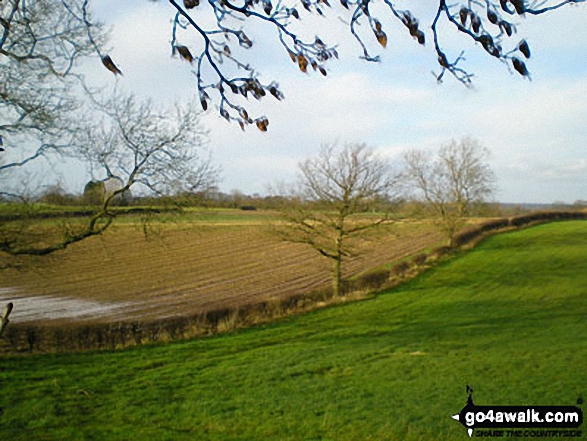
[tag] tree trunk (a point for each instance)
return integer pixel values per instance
(337, 277)
(337, 267)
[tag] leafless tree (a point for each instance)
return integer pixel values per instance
(450, 183)
(163, 150)
(136, 145)
(334, 186)
(40, 44)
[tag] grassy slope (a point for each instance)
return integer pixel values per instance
(507, 318)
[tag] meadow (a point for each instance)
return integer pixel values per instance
(507, 318)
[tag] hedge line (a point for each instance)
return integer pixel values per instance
(473, 233)
(85, 212)
(109, 336)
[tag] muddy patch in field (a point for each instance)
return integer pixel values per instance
(35, 308)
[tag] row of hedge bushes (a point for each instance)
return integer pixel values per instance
(470, 234)
(109, 336)
(81, 212)
(31, 338)
(379, 278)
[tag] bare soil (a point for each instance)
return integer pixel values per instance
(183, 269)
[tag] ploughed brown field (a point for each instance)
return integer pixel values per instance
(185, 267)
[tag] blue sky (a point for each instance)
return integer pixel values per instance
(535, 129)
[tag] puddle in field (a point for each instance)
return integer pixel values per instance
(30, 308)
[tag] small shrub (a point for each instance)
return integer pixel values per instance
(494, 225)
(420, 259)
(441, 251)
(372, 280)
(229, 322)
(400, 269)
(31, 338)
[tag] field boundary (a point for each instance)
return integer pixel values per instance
(109, 336)
(78, 213)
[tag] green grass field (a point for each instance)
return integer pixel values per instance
(508, 318)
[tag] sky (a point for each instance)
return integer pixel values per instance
(536, 130)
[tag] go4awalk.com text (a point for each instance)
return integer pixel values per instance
(520, 421)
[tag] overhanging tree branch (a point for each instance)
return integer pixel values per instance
(133, 143)
(485, 22)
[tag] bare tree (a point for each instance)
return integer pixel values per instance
(334, 186)
(159, 149)
(40, 44)
(450, 183)
(135, 145)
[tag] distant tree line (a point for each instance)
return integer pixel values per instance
(448, 186)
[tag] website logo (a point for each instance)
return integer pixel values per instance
(517, 421)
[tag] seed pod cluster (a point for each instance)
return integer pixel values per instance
(506, 27)
(379, 34)
(190, 4)
(253, 86)
(302, 62)
(185, 53)
(413, 26)
(244, 115)
(109, 64)
(520, 67)
(492, 17)
(274, 90)
(519, 6)
(323, 54)
(204, 100)
(524, 48)
(489, 45)
(267, 6)
(243, 40)
(466, 15)
(262, 124)
(475, 23)
(463, 15)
